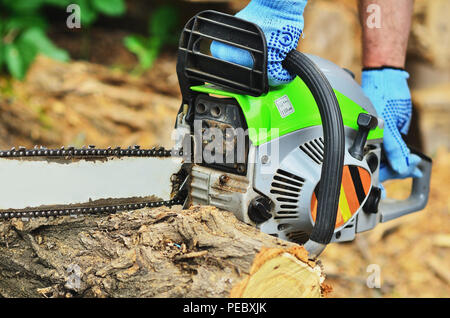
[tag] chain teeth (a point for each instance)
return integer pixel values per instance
(85, 153)
(91, 151)
(90, 210)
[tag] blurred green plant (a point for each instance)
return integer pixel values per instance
(22, 29)
(22, 36)
(161, 28)
(91, 9)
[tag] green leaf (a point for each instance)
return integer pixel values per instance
(28, 52)
(109, 7)
(58, 3)
(26, 6)
(135, 42)
(145, 51)
(37, 38)
(163, 21)
(20, 22)
(2, 54)
(14, 61)
(88, 14)
(2, 29)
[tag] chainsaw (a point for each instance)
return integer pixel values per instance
(300, 161)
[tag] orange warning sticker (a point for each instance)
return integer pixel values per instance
(355, 187)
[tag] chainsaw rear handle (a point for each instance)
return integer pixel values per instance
(391, 209)
(333, 130)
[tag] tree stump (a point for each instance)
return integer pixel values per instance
(200, 252)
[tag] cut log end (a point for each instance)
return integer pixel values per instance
(285, 273)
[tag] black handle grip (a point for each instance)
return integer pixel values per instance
(366, 123)
(333, 130)
(196, 64)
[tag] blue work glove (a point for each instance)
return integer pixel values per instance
(388, 90)
(282, 23)
(387, 173)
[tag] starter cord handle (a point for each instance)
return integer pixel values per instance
(333, 131)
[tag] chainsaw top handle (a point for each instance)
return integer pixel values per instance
(334, 139)
(196, 67)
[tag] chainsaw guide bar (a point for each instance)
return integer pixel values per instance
(69, 155)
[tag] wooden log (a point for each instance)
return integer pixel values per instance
(286, 272)
(200, 252)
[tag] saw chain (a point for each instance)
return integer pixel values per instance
(92, 153)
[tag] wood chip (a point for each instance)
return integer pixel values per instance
(441, 240)
(191, 255)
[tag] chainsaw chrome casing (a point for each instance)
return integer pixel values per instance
(287, 171)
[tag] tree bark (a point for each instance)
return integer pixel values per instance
(200, 252)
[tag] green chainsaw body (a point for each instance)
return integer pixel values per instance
(276, 185)
(262, 113)
(292, 139)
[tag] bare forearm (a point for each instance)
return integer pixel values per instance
(385, 40)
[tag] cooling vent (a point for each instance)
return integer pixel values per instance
(298, 237)
(314, 149)
(286, 186)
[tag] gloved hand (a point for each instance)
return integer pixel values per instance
(282, 23)
(387, 173)
(388, 90)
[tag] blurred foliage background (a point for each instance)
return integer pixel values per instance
(23, 26)
(112, 82)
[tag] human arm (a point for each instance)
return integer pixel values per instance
(386, 26)
(385, 38)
